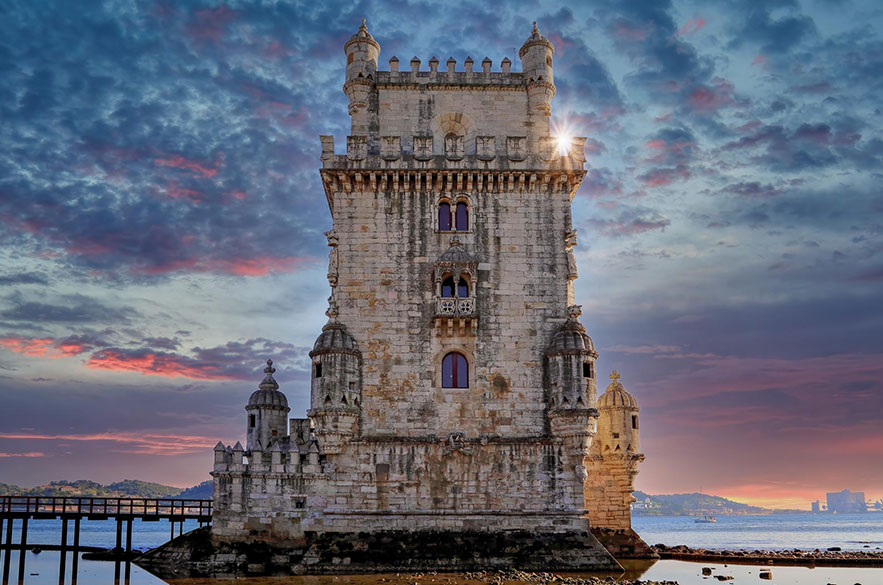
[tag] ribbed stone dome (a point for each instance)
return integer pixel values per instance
(571, 337)
(268, 395)
(616, 395)
(535, 38)
(456, 254)
(361, 35)
(335, 337)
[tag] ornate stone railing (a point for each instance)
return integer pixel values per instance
(454, 307)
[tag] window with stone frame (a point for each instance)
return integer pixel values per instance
(454, 287)
(444, 216)
(462, 216)
(455, 371)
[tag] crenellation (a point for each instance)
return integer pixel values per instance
(453, 387)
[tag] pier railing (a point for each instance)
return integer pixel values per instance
(144, 508)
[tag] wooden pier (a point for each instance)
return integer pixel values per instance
(76, 508)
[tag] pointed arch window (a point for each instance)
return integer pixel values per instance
(455, 287)
(444, 216)
(455, 371)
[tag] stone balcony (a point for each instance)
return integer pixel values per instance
(454, 308)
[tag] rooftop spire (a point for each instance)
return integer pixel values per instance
(615, 376)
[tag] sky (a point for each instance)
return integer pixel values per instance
(161, 219)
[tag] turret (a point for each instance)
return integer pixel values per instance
(362, 52)
(336, 388)
(570, 366)
(536, 62)
(618, 423)
(267, 413)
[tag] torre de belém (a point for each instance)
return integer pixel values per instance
(454, 420)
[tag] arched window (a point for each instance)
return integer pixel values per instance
(444, 216)
(448, 287)
(463, 287)
(462, 216)
(455, 371)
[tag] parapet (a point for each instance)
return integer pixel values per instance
(485, 78)
(454, 152)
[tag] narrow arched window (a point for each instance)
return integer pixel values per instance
(444, 216)
(463, 287)
(455, 371)
(448, 287)
(462, 216)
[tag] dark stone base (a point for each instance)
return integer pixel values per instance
(192, 555)
(624, 544)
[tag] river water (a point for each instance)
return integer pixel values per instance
(777, 531)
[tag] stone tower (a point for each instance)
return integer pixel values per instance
(453, 395)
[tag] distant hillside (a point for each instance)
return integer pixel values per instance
(128, 488)
(9, 490)
(202, 491)
(690, 505)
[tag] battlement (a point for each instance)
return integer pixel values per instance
(455, 151)
(466, 77)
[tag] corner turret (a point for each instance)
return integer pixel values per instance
(362, 52)
(536, 62)
(267, 413)
(336, 387)
(618, 423)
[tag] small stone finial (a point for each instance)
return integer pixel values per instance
(269, 383)
(505, 65)
(574, 311)
(433, 64)
(486, 65)
(535, 30)
(455, 241)
(394, 64)
(615, 376)
(362, 26)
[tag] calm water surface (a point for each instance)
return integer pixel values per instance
(851, 532)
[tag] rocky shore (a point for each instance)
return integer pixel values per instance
(832, 557)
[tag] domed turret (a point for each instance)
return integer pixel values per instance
(337, 367)
(536, 61)
(267, 413)
(570, 365)
(618, 423)
(362, 52)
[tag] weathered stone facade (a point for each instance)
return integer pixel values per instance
(453, 388)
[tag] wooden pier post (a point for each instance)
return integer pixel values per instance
(76, 560)
(128, 536)
(7, 552)
(171, 529)
(119, 545)
(21, 554)
(62, 554)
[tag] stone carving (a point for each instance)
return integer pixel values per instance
(332, 311)
(485, 147)
(457, 442)
(516, 147)
(423, 147)
(548, 147)
(333, 258)
(356, 147)
(453, 146)
(569, 244)
(391, 147)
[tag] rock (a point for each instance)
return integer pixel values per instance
(834, 549)
(724, 577)
(767, 575)
(706, 570)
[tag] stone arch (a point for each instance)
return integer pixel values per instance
(457, 123)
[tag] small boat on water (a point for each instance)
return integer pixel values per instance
(705, 520)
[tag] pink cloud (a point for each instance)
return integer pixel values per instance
(664, 176)
(717, 96)
(210, 24)
(624, 30)
(691, 27)
(149, 363)
(759, 60)
(260, 266)
(29, 454)
(139, 443)
(36, 347)
(180, 162)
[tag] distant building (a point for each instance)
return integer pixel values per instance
(846, 502)
(815, 506)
